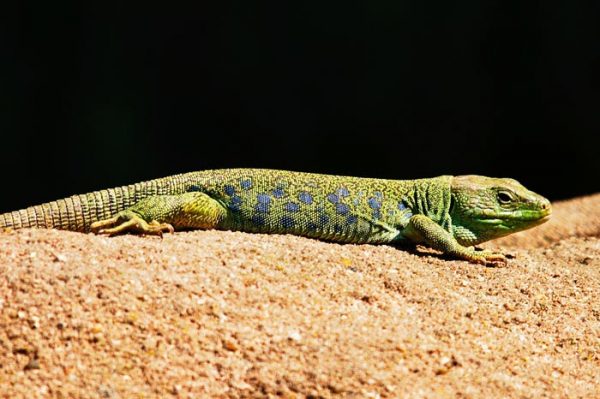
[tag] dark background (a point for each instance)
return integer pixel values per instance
(95, 96)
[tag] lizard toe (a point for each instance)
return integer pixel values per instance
(495, 258)
(101, 225)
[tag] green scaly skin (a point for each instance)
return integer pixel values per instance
(446, 213)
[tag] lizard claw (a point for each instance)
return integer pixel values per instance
(482, 257)
(488, 258)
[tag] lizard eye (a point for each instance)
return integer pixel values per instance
(504, 197)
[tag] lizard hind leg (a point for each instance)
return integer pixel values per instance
(129, 222)
(164, 213)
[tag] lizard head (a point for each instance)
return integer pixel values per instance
(484, 208)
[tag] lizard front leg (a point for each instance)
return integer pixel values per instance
(422, 229)
(164, 213)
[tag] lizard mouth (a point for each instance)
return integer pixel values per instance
(545, 214)
(531, 217)
(540, 216)
(545, 218)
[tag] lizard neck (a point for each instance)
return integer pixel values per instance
(432, 198)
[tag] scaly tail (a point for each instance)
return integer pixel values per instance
(78, 212)
(74, 213)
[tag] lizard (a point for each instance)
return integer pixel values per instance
(451, 214)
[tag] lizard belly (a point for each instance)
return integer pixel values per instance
(322, 225)
(325, 219)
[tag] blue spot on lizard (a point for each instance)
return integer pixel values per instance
(292, 207)
(229, 190)
(263, 199)
(305, 197)
(342, 209)
(374, 203)
(262, 208)
(236, 203)
(258, 220)
(343, 192)
(287, 221)
(332, 198)
(246, 184)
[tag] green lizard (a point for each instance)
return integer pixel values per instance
(448, 213)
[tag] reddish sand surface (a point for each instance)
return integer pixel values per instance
(232, 315)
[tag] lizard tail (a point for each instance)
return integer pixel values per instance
(75, 213)
(78, 212)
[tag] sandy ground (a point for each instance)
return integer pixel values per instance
(227, 314)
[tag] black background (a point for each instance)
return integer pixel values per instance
(99, 95)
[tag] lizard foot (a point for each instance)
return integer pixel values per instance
(485, 257)
(130, 223)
